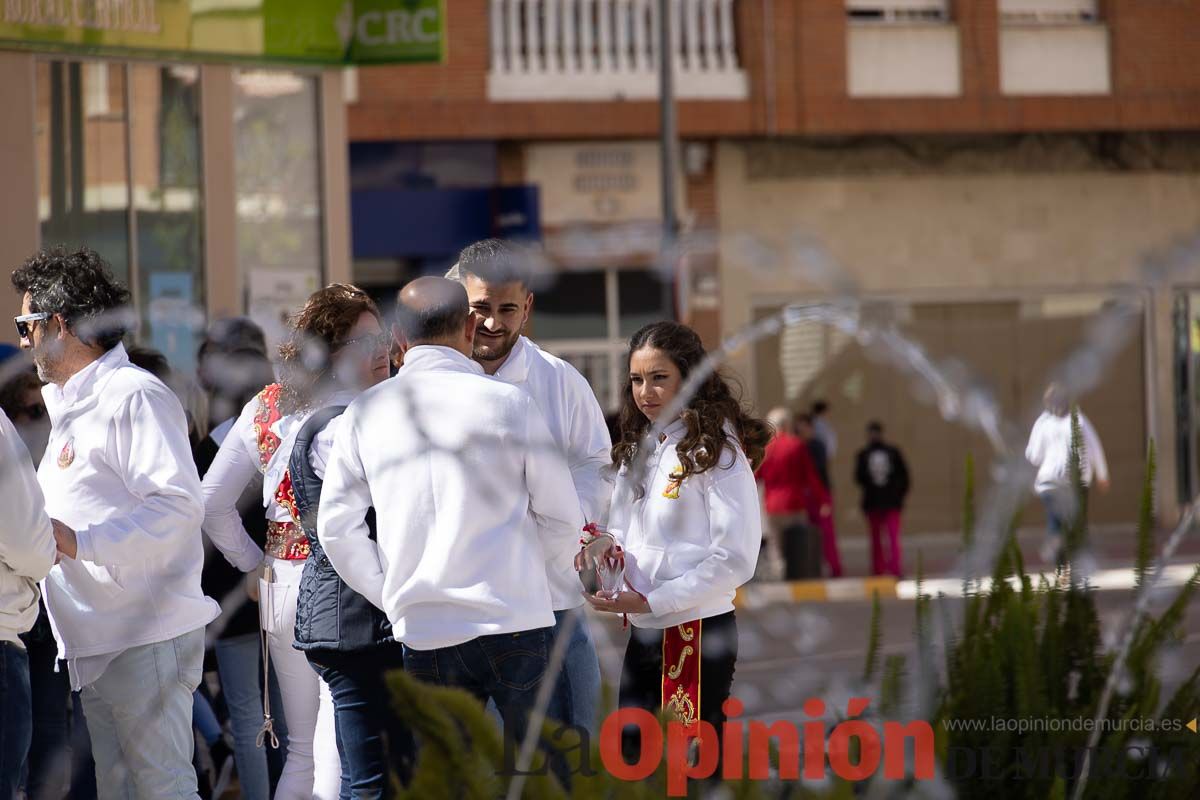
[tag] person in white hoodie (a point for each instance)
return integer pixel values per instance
(125, 601)
(26, 556)
(688, 520)
(1049, 450)
(457, 466)
(495, 276)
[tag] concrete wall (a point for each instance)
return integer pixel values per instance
(966, 245)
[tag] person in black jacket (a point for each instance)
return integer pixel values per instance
(882, 475)
(347, 640)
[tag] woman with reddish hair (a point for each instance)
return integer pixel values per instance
(336, 349)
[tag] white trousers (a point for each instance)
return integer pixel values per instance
(312, 768)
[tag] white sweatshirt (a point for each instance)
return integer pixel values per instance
(1049, 450)
(235, 466)
(688, 547)
(26, 541)
(118, 469)
(577, 425)
(454, 463)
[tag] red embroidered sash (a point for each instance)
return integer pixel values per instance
(681, 671)
(285, 540)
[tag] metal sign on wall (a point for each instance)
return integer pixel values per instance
(596, 182)
(332, 32)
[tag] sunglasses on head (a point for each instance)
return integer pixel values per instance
(23, 322)
(369, 344)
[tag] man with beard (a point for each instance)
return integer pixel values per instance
(124, 501)
(495, 274)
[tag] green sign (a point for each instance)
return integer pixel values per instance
(334, 32)
(387, 31)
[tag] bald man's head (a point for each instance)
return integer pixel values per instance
(434, 311)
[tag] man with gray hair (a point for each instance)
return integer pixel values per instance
(124, 501)
(496, 275)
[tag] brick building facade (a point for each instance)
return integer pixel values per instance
(979, 166)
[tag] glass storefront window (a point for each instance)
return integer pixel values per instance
(422, 165)
(83, 158)
(1187, 393)
(643, 298)
(279, 216)
(167, 209)
(573, 307)
(588, 317)
(118, 149)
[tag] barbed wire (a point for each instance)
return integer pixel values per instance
(960, 395)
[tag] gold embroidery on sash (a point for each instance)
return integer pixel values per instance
(674, 672)
(682, 705)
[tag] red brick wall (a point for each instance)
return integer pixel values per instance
(1156, 84)
(449, 100)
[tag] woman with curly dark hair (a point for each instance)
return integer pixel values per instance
(336, 348)
(686, 520)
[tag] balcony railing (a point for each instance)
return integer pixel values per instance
(608, 50)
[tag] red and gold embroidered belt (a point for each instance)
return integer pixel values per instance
(286, 541)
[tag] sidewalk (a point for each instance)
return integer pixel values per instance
(1113, 547)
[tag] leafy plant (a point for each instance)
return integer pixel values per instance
(1037, 654)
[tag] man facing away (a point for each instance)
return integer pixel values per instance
(124, 498)
(498, 289)
(457, 466)
(882, 475)
(1049, 450)
(26, 555)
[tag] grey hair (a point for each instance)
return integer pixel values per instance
(781, 419)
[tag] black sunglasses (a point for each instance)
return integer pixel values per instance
(23, 323)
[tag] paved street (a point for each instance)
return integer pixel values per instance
(791, 651)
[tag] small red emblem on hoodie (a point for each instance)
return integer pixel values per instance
(67, 456)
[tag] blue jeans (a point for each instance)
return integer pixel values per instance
(16, 716)
(239, 663)
(372, 740)
(139, 714)
(581, 673)
(49, 753)
(204, 719)
(1059, 505)
(505, 667)
(83, 768)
